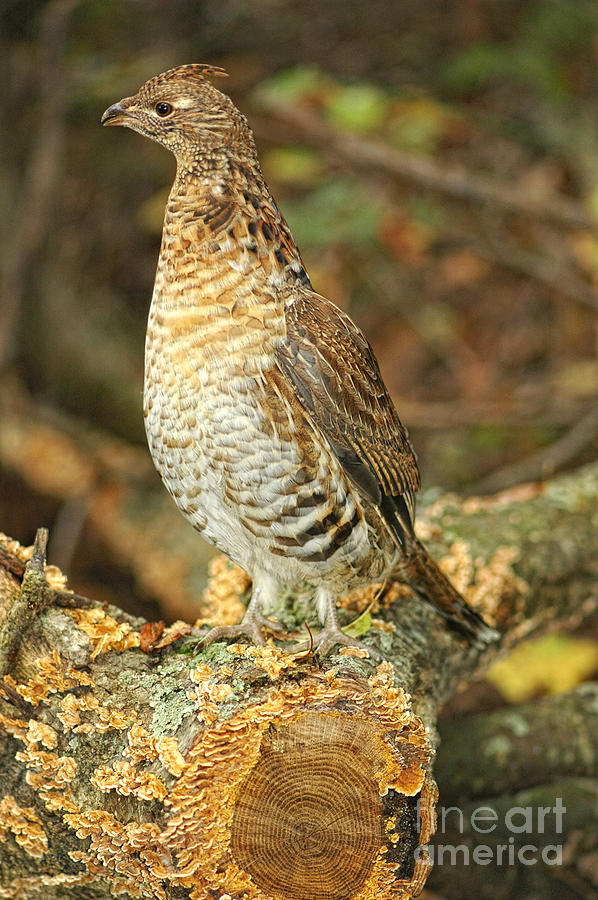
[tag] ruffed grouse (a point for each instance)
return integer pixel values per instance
(265, 410)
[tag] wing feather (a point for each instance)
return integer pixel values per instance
(337, 380)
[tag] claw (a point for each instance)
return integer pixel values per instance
(332, 634)
(251, 626)
(329, 637)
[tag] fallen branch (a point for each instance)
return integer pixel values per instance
(545, 462)
(135, 764)
(494, 753)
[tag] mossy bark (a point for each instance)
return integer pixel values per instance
(133, 763)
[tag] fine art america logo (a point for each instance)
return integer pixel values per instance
(516, 836)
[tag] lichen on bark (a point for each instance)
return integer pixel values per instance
(140, 772)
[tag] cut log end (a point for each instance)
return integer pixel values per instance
(265, 778)
(318, 792)
(309, 821)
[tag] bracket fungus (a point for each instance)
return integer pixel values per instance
(317, 790)
(252, 775)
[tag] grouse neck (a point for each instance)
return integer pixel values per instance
(202, 165)
(234, 212)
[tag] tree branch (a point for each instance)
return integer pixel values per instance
(419, 171)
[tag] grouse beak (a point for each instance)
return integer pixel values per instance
(117, 114)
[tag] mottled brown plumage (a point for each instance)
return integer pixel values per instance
(266, 413)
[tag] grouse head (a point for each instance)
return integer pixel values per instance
(184, 112)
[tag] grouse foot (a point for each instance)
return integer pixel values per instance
(331, 635)
(251, 626)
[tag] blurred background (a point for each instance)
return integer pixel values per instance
(438, 164)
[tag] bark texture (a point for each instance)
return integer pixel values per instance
(133, 765)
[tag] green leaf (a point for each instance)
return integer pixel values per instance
(293, 165)
(418, 125)
(292, 85)
(359, 626)
(486, 64)
(358, 107)
(340, 212)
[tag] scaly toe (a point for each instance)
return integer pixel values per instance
(329, 637)
(251, 627)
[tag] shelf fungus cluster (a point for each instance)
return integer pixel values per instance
(315, 789)
(247, 776)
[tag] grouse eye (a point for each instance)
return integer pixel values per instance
(163, 109)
